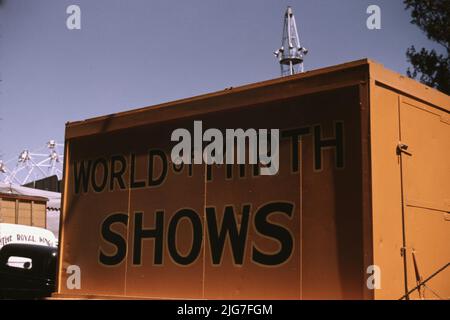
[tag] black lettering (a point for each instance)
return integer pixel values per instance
(197, 235)
(81, 175)
(99, 187)
(241, 170)
(274, 231)
(156, 181)
(190, 166)
(140, 233)
(295, 135)
(115, 239)
(229, 171)
(255, 169)
(237, 237)
(337, 143)
(117, 174)
(208, 172)
(133, 183)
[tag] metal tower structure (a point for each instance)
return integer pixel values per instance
(31, 166)
(291, 54)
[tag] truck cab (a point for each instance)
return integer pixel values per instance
(28, 258)
(27, 271)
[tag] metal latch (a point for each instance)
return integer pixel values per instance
(402, 148)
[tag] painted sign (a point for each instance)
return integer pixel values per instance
(154, 228)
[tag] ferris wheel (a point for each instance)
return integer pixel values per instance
(31, 166)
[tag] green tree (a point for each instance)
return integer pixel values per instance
(433, 69)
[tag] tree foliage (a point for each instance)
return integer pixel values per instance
(433, 68)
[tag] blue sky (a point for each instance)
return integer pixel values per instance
(136, 53)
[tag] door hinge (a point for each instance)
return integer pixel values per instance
(402, 251)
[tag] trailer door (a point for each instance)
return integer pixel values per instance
(425, 169)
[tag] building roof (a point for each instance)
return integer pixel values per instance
(53, 199)
(14, 196)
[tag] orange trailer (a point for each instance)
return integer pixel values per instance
(359, 208)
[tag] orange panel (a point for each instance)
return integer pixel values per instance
(301, 228)
(386, 192)
(138, 226)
